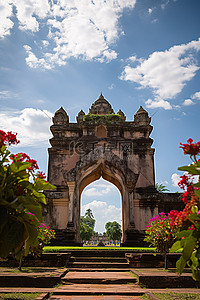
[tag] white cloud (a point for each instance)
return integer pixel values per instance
(4, 94)
(150, 11)
(29, 12)
(111, 87)
(133, 58)
(91, 192)
(175, 179)
(164, 4)
(5, 13)
(32, 125)
(165, 72)
(165, 182)
(103, 213)
(196, 96)
(69, 24)
(158, 103)
(98, 189)
(188, 102)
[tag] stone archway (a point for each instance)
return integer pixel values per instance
(101, 162)
(101, 144)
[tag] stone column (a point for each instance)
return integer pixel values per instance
(61, 211)
(57, 209)
(71, 186)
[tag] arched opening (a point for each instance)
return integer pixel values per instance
(91, 173)
(104, 199)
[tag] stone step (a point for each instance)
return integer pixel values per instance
(99, 289)
(98, 270)
(99, 259)
(100, 278)
(98, 252)
(90, 265)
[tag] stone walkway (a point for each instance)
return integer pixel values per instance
(103, 285)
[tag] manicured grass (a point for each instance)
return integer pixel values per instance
(54, 249)
(21, 296)
(177, 296)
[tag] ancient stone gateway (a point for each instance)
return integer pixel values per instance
(101, 144)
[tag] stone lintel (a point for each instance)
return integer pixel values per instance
(50, 194)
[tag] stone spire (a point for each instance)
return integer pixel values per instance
(60, 117)
(141, 117)
(101, 107)
(80, 116)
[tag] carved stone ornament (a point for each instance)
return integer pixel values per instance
(80, 116)
(123, 117)
(60, 117)
(101, 107)
(141, 117)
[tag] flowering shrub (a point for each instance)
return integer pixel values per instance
(188, 220)
(45, 234)
(159, 234)
(21, 198)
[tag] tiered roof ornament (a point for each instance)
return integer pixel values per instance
(141, 117)
(80, 116)
(60, 117)
(101, 107)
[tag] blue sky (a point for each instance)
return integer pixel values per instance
(64, 53)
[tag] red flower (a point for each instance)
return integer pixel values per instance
(25, 158)
(8, 138)
(41, 175)
(191, 148)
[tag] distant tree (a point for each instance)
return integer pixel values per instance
(113, 230)
(161, 188)
(86, 232)
(88, 219)
(87, 225)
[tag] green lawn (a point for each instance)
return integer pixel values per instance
(48, 249)
(19, 296)
(177, 296)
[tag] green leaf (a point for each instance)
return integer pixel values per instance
(19, 166)
(190, 169)
(194, 259)
(175, 247)
(40, 197)
(32, 239)
(180, 265)
(31, 205)
(197, 193)
(194, 209)
(190, 243)
(196, 184)
(41, 184)
(11, 237)
(184, 233)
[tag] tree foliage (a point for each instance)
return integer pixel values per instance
(21, 198)
(113, 230)
(87, 225)
(161, 188)
(88, 218)
(86, 232)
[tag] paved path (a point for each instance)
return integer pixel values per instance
(101, 285)
(94, 297)
(98, 286)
